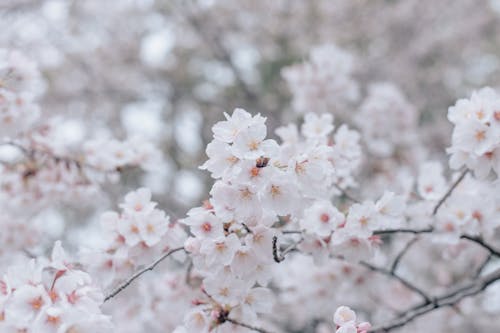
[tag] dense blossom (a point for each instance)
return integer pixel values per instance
(384, 110)
(317, 216)
(50, 295)
(129, 238)
(324, 82)
(476, 135)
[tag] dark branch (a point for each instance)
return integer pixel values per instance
(280, 257)
(393, 275)
(258, 329)
(479, 241)
(448, 299)
(449, 192)
(139, 273)
(403, 231)
(402, 253)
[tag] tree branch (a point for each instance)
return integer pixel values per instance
(403, 230)
(139, 273)
(479, 241)
(346, 195)
(449, 192)
(258, 329)
(393, 275)
(402, 253)
(448, 299)
(280, 257)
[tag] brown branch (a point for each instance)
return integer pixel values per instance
(449, 192)
(139, 273)
(214, 43)
(403, 230)
(448, 299)
(31, 153)
(393, 275)
(254, 328)
(402, 253)
(291, 232)
(346, 195)
(480, 269)
(280, 257)
(479, 241)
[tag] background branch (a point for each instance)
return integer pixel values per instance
(448, 299)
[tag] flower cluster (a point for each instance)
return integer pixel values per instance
(328, 232)
(324, 82)
(260, 183)
(43, 167)
(20, 85)
(387, 120)
(476, 135)
(50, 295)
(164, 298)
(472, 209)
(139, 232)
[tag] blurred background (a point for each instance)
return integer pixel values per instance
(167, 70)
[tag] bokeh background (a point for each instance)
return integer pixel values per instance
(167, 70)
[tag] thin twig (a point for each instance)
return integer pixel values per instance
(480, 269)
(402, 253)
(449, 192)
(139, 273)
(403, 231)
(393, 275)
(189, 270)
(479, 241)
(347, 195)
(448, 299)
(258, 329)
(280, 257)
(291, 232)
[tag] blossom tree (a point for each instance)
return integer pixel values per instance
(343, 220)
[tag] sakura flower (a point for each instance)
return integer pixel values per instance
(280, 195)
(431, 183)
(260, 240)
(347, 328)
(317, 127)
(259, 300)
(344, 315)
(361, 219)
(226, 131)
(205, 225)
(154, 227)
(220, 251)
(244, 261)
(128, 228)
(220, 158)
(225, 290)
(138, 201)
(251, 144)
(196, 321)
(321, 218)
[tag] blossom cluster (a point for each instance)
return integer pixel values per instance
(20, 85)
(387, 120)
(328, 232)
(476, 135)
(130, 238)
(51, 295)
(324, 83)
